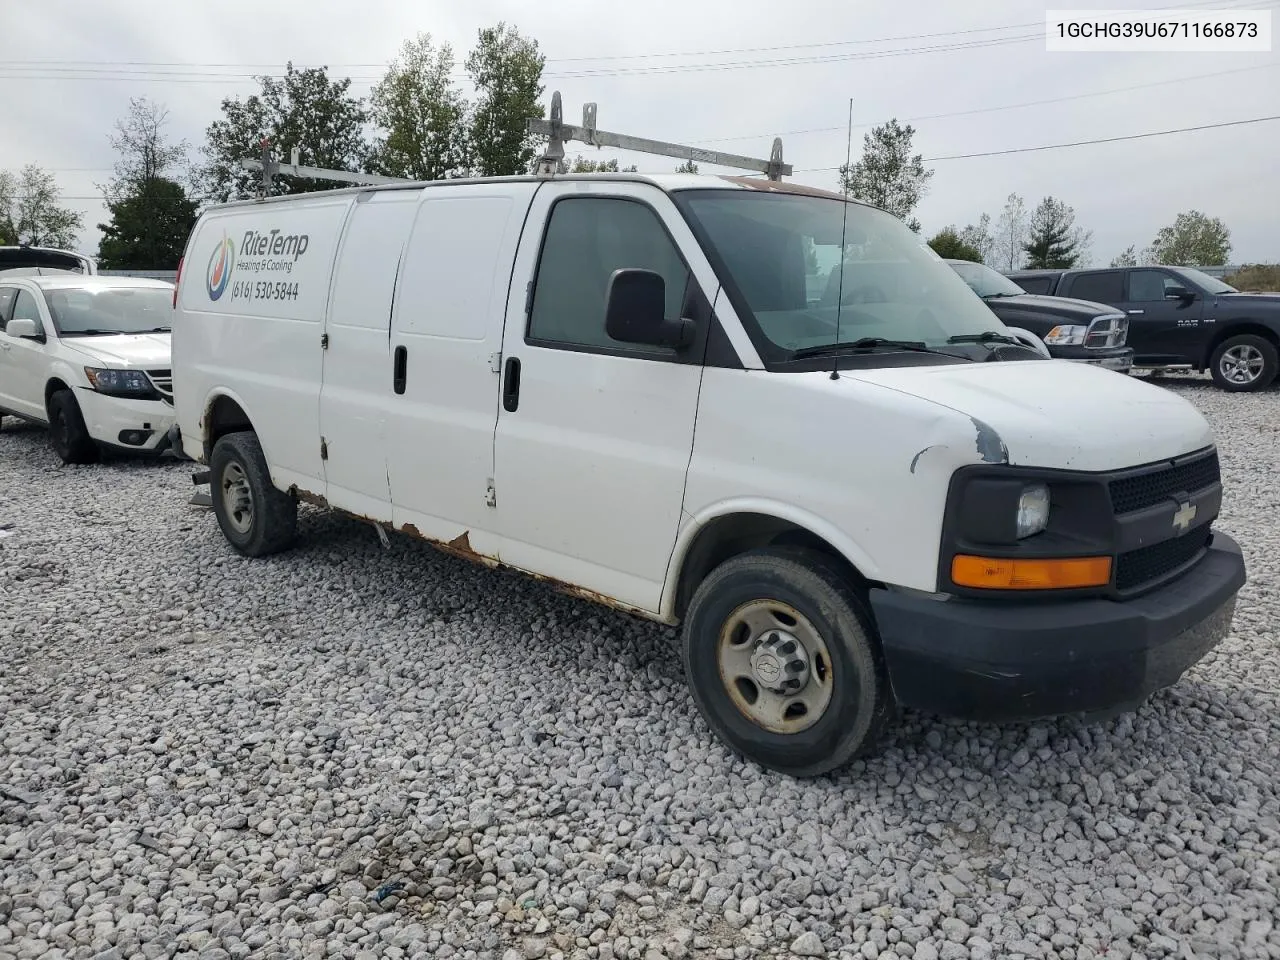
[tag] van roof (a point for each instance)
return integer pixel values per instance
(66, 281)
(670, 182)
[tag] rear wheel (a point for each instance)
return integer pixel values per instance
(780, 655)
(68, 435)
(1244, 362)
(255, 517)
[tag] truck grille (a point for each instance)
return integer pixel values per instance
(1147, 489)
(162, 380)
(1148, 564)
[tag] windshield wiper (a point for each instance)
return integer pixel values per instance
(993, 296)
(988, 336)
(156, 330)
(867, 343)
(90, 333)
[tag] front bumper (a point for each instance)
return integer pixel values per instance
(140, 426)
(1119, 359)
(997, 661)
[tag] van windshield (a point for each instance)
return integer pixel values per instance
(85, 311)
(782, 253)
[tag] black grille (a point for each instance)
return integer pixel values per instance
(1146, 564)
(1147, 489)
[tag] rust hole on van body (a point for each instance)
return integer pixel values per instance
(306, 496)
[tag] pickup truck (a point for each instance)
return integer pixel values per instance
(1076, 330)
(1180, 318)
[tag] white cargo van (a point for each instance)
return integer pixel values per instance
(751, 408)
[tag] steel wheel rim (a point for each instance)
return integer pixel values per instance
(237, 498)
(758, 664)
(1242, 363)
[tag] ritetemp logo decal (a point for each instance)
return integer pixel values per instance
(220, 266)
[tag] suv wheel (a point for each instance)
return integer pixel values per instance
(68, 435)
(255, 517)
(782, 661)
(1244, 362)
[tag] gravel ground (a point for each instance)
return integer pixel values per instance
(359, 752)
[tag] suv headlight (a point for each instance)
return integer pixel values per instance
(1067, 335)
(119, 383)
(1033, 510)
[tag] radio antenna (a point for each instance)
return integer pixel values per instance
(844, 224)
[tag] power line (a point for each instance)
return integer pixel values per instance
(1009, 106)
(140, 72)
(1076, 143)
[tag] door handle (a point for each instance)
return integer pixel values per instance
(398, 375)
(511, 385)
(1136, 311)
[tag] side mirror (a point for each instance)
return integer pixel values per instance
(636, 311)
(1178, 293)
(24, 329)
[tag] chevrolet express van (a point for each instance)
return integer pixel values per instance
(757, 410)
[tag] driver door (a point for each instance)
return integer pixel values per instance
(23, 362)
(594, 435)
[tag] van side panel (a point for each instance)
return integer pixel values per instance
(357, 393)
(251, 313)
(450, 302)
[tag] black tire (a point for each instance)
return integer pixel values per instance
(268, 521)
(68, 435)
(860, 702)
(1230, 353)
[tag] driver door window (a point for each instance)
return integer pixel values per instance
(1148, 286)
(26, 308)
(7, 296)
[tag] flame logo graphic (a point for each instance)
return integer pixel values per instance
(220, 265)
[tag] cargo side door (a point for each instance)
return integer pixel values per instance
(446, 335)
(595, 435)
(357, 387)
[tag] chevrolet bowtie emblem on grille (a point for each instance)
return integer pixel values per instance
(1182, 519)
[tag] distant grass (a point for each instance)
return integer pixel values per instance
(1256, 277)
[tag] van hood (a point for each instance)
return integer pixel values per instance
(127, 350)
(1055, 413)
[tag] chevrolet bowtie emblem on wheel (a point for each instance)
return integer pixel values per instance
(1182, 519)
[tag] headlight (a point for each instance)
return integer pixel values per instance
(1033, 510)
(1066, 335)
(119, 383)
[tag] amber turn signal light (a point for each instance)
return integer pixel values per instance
(1004, 573)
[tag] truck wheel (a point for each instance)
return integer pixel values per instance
(255, 517)
(781, 659)
(1244, 362)
(68, 435)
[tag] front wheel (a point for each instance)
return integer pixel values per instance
(781, 659)
(255, 517)
(1244, 362)
(68, 435)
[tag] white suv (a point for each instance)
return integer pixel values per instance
(89, 356)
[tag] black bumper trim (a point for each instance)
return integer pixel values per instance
(1006, 660)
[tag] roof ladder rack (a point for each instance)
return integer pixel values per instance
(558, 133)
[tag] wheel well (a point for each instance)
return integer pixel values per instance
(50, 388)
(224, 416)
(726, 537)
(1257, 329)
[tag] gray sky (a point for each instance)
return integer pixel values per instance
(1122, 191)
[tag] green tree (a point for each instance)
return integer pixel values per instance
(304, 109)
(506, 69)
(1193, 240)
(151, 214)
(422, 115)
(582, 165)
(1125, 258)
(948, 243)
(30, 211)
(687, 167)
(1053, 240)
(888, 174)
(148, 228)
